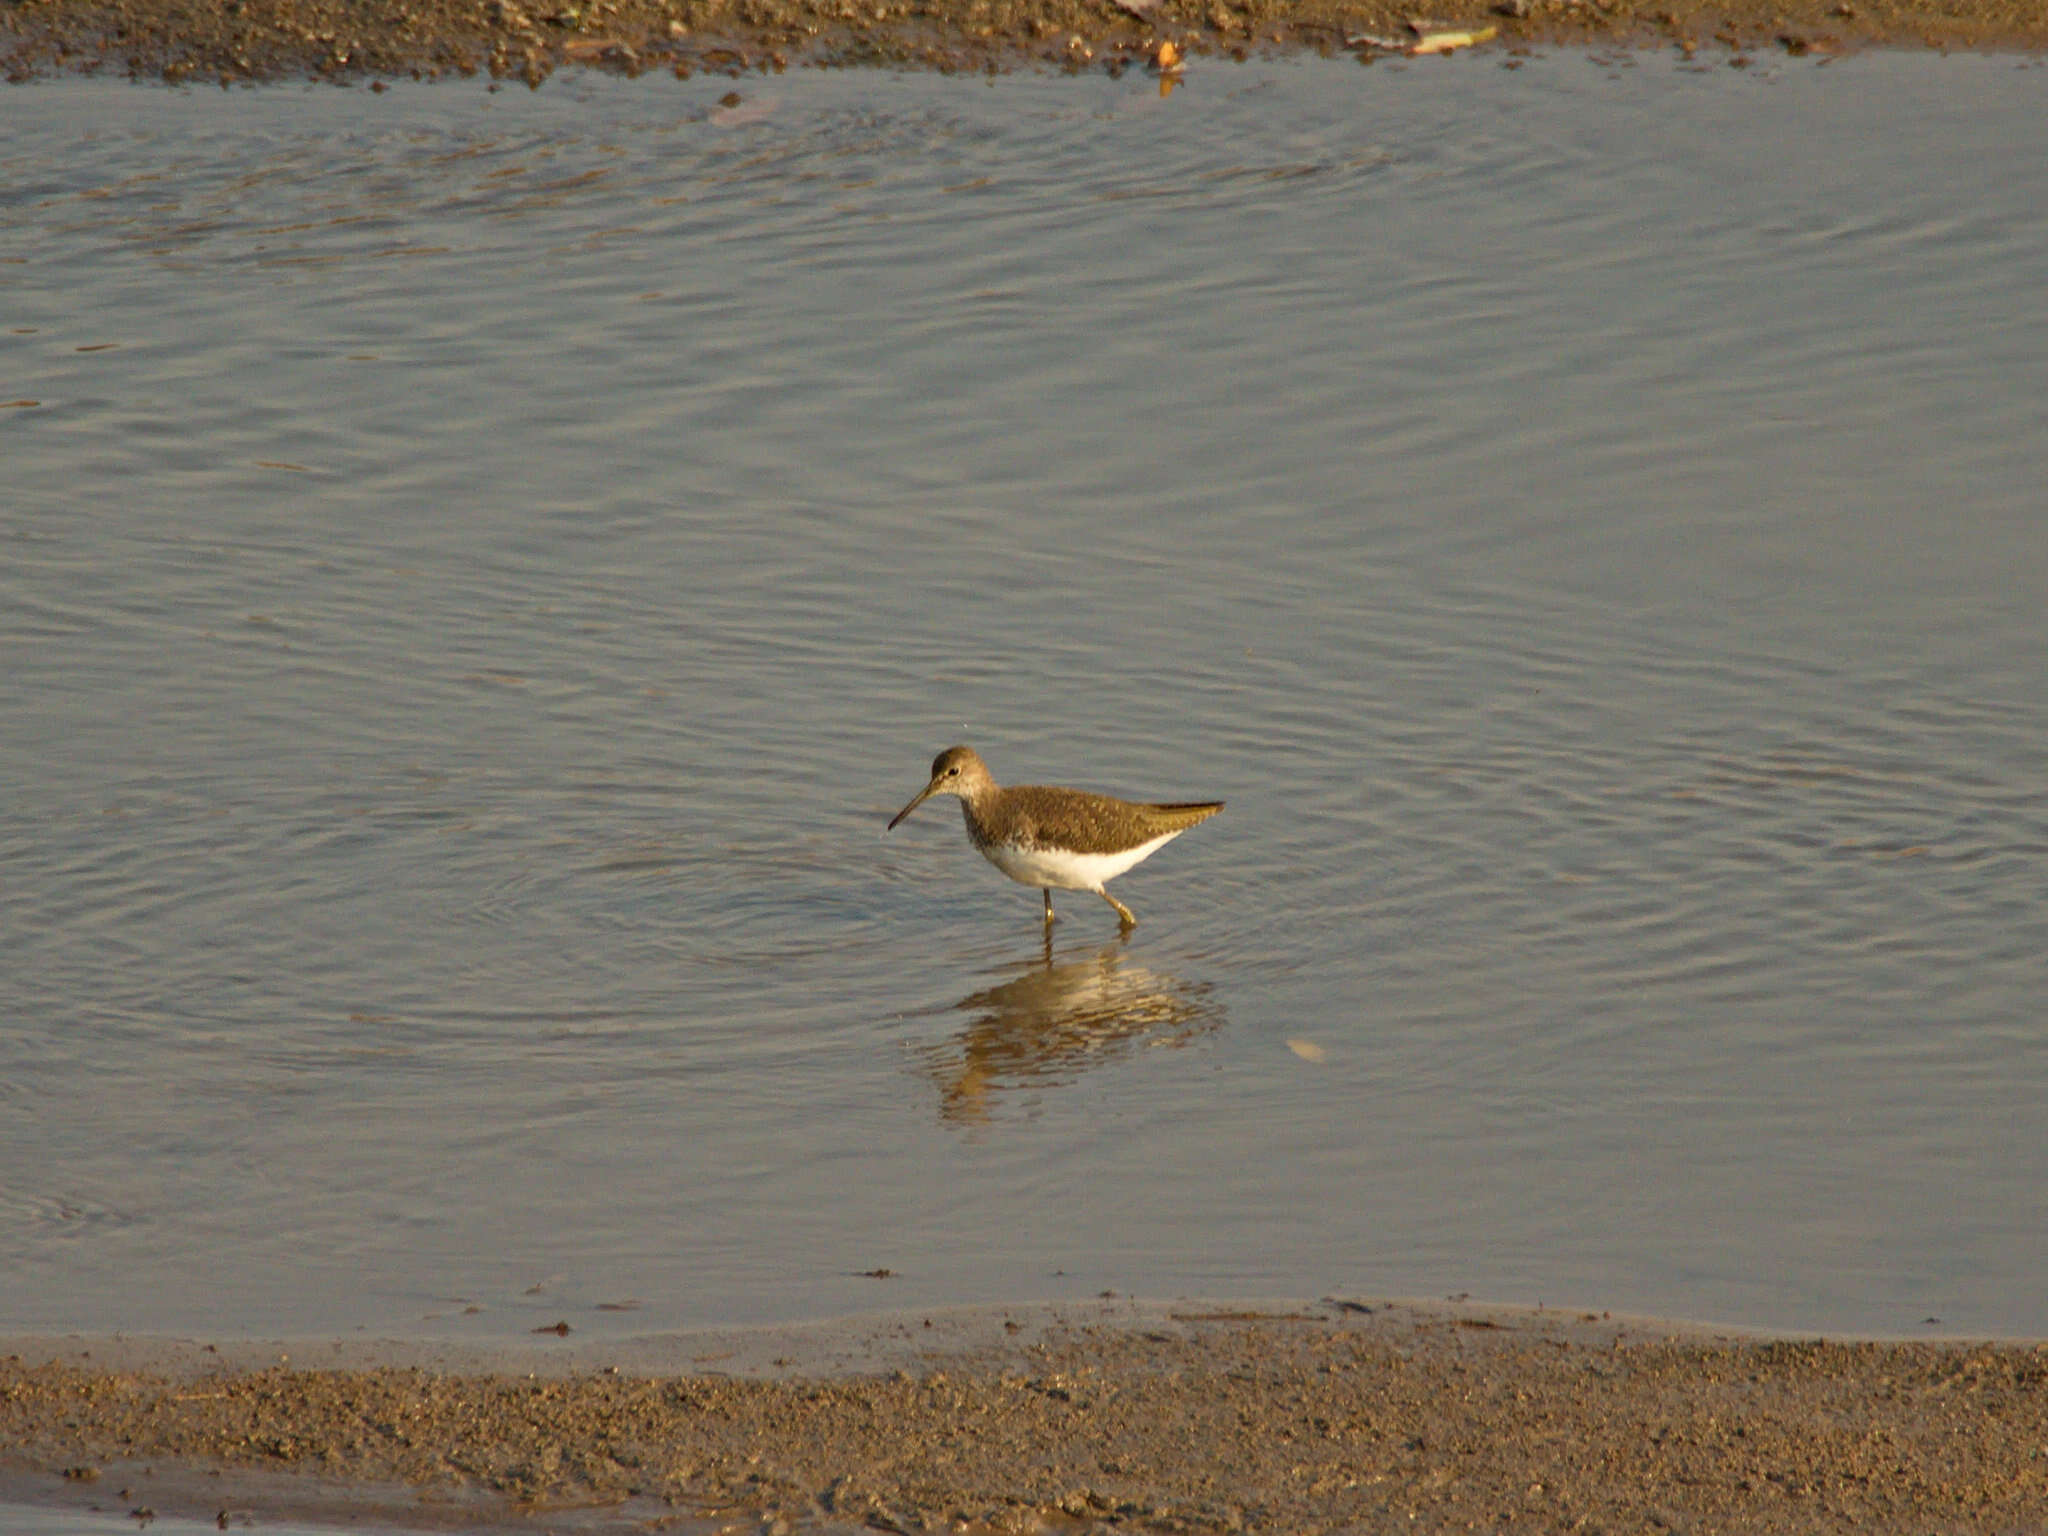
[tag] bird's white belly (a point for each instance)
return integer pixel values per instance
(1065, 871)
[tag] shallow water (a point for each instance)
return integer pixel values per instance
(481, 569)
(33, 1520)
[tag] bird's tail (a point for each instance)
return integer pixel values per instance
(1184, 814)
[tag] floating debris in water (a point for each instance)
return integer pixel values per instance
(1450, 42)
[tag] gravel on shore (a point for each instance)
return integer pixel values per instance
(374, 40)
(1371, 1418)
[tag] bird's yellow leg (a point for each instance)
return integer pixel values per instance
(1122, 911)
(1046, 892)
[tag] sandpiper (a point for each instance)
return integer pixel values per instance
(1041, 835)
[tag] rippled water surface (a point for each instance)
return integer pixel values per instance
(104, 1517)
(477, 571)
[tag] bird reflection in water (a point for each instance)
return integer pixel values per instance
(1052, 1021)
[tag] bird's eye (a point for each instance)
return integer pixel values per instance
(953, 771)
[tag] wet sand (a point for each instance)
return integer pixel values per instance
(1195, 1417)
(349, 40)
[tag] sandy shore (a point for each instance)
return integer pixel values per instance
(1325, 1416)
(229, 40)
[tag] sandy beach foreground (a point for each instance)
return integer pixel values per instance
(1338, 1415)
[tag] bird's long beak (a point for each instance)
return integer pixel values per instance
(922, 796)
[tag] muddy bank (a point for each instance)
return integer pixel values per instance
(345, 40)
(1331, 1417)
